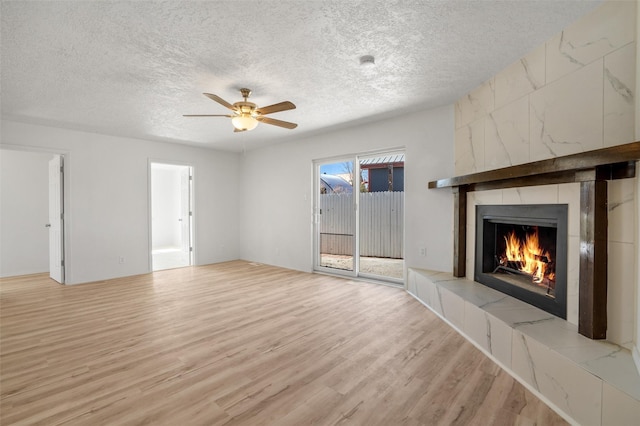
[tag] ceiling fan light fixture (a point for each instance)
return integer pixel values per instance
(244, 122)
(246, 115)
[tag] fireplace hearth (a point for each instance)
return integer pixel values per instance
(521, 250)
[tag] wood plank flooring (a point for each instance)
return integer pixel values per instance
(242, 344)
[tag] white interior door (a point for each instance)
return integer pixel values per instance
(185, 212)
(56, 219)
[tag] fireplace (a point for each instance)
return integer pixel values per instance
(592, 170)
(521, 250)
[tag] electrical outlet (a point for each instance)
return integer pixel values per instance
(121, 260)
(423, 251)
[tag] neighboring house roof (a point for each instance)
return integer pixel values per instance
(379, 161)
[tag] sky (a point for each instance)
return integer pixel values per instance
(333, 168)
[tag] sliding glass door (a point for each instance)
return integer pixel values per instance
(335, 212)
(381, 216)
(359, 216)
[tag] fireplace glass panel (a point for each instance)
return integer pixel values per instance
(521, 251)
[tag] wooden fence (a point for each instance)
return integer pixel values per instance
(381, 224)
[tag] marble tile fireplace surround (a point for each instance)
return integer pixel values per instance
(566, 362)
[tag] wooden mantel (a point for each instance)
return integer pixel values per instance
(592, 169)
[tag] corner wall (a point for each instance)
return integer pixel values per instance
(276, 208)
(575, 93)
(107, 198)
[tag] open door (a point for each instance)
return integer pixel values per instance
(56, 219)
(171, 216)
(186, 179)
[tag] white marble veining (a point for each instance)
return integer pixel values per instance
(604, 30)
(587, 381)
(469, 148)
(452, 307)
(569, 193)
(618, 366)
(547, 194)
(484, 197)
(572, 389)
(621, 210)
(520, 78)
(476, 104)
(506, 140)
(619, 96)
(566, 115)
(579, 87)
(620, 293)
(491, 334)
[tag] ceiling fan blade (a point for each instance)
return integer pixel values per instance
(219, 100)
(206, 115)
(282, 106)
(279, 123)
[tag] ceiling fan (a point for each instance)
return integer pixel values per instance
(246, 115)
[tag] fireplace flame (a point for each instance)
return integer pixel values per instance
(529, 256)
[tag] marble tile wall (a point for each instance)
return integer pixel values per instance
(574, 93)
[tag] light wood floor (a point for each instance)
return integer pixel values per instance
(237, 343)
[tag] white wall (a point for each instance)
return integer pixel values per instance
(106, 183)
(24, 208)
(276, 203)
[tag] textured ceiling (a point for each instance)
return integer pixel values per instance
(132, 68)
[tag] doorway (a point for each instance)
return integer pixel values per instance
(32, 231)
(359, 216)
(171, 216)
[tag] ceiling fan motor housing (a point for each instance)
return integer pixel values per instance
(244, 108)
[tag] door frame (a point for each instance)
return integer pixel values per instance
(193, 233)
(66, 199)
(355, 158)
